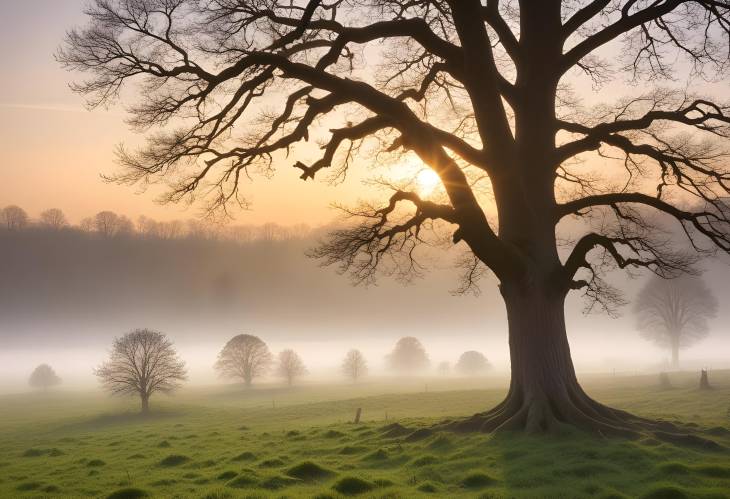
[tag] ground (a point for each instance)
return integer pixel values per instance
(226, 442)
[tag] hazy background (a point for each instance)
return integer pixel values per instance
(65, 294)
(63, 297)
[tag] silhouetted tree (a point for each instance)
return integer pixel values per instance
(109, 224)
(673, 313)
(354, 366)
(290, 366)
(142, 363)
(44, 377)
(53, 218)
(480, 91)
(408, 356)
(244, 356)
(13, 217)
(472, 363)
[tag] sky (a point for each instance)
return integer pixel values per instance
(54, 150)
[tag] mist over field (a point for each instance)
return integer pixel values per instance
(66, 294)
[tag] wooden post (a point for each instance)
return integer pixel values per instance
(704, 382)
(664, 380)
(357, 415)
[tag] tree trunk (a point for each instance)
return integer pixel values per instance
(704, 381)
(675, 352)
(145, 404)
(544, 391)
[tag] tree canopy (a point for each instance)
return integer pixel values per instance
(675, 313)
(244, 356)
(142, 362)
(44, 377)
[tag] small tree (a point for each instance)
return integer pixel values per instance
(13, 217)
(53, 219)
(290, 366)
(354, 366)
(472, 363)
(444, 368)
(674, 312)
(408, 355)
(142, 362)
(44, 377)
(244, 356)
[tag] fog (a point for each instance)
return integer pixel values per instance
(64, 295)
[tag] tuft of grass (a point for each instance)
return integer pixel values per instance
(477, 480)
(352, 485)
(217, 494)
(244, 456)
(673, 468)
(428, 488)
(128, 493)
(242, 482)
(424, 460)
(377, 455)
(174, 460)
(309, 471)
(333, 434)
(271, 463)
(26, 486)
(666, 492)
(349, 450)
(713, 471)
(278, 482)
(33, 453)
(395, 430)
(420, 434)
(95, 463)
(164, 444)
(227, 475)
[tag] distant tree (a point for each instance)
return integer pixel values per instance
(244, 356)
(472, 363)
(142, 363)
(674, 312)
(408, 355)
(444, 368)
(44, 377)
(354, 366)
(290, 366)
(106, 223)
(53, 219)
(147, 227)
(170, 230)
(87, 224)
(14, 217)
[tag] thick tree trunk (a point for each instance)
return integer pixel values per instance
(675, 352)
(544, 391)
(145, 404)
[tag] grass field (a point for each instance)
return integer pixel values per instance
(225, 442)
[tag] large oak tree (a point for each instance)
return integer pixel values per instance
(477, 90)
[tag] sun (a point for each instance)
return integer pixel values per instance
(427, 180)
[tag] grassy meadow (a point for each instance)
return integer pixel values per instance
(271, 442)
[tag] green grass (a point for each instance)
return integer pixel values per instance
(226, 442)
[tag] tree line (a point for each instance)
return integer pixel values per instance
(108, 224)
(144, 362)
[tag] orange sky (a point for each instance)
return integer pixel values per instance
(53, 150)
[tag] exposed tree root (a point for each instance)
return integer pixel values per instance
(540, 413)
